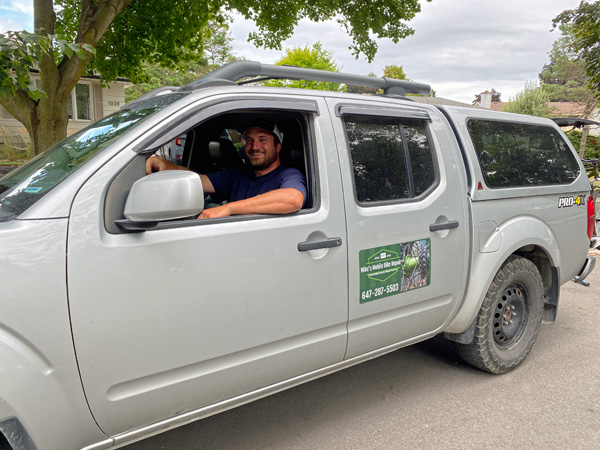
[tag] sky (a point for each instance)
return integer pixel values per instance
(460, 47)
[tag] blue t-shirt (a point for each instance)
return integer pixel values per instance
(240, 183)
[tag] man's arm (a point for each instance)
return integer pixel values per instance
(279, 201)
(158, 164)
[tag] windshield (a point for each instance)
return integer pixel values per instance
(23, 187)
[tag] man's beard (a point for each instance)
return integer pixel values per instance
(269, 159)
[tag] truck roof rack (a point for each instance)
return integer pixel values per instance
(232, 72)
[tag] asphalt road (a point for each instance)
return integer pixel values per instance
(424, 397)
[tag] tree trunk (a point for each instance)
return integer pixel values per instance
(49, 125)
(590, 106)
(584, 135)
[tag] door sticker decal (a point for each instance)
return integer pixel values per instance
(395, 268)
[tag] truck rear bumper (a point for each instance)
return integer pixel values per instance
(588, 266)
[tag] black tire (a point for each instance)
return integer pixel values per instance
(4, 445)
(509, 319)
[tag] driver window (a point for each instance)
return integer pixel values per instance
(216, 146)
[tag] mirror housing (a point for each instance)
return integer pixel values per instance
(166, 195)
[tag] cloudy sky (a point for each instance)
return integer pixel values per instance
(460, 47)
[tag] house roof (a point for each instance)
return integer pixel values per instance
(92, 77)
(571, 109)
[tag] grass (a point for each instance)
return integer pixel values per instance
(13, 155)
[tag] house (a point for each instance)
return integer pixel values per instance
(88, 102)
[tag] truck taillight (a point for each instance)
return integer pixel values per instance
(591, 209)
(178, 142)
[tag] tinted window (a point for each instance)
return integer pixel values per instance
(517, 154)
(421, 161)
(391, 158)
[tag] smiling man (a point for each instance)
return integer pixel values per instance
(266, 186)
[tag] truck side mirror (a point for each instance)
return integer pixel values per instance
(166, 195)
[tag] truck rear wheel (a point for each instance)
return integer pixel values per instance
(509, 319)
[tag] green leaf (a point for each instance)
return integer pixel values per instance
(68, 52)
(34, 95)
(81, 53)
(89, 48)
(23, 82)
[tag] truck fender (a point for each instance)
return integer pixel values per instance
(524, 232)
(41, 405)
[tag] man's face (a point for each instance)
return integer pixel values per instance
(261, 150)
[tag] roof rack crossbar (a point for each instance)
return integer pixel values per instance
(237, 70)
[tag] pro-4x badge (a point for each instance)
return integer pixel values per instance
(565, 202)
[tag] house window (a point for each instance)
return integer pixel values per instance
(79, 103)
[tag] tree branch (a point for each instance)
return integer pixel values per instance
(96, 18)
(20, 107)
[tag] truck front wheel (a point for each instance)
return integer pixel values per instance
(509, 319)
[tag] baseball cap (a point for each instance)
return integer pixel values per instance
(266, 124)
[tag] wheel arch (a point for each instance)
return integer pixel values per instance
(538, 256)
(29, 376)
(524, 236)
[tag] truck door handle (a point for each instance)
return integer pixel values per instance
(314, 245)
(443, 226)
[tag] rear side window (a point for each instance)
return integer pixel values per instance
(391, 158)
(518, 154)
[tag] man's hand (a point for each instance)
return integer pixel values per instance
(158, 164)
(216, 212)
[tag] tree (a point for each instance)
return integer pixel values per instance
(585, 37)
(564, 78)
(591, 144)
(396, 72)
(363, 89)
(115, 37)
(158, 76)
(217, 51)
(532, 100)
(309, 58)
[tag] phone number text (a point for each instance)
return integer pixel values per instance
(376, 292)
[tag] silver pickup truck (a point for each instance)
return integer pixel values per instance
(122, 315)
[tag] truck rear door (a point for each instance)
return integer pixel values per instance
(405, 194)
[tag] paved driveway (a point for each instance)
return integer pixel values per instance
(423, 397)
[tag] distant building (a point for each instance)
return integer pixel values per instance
(88, 102)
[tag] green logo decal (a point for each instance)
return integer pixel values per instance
(395, 268)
